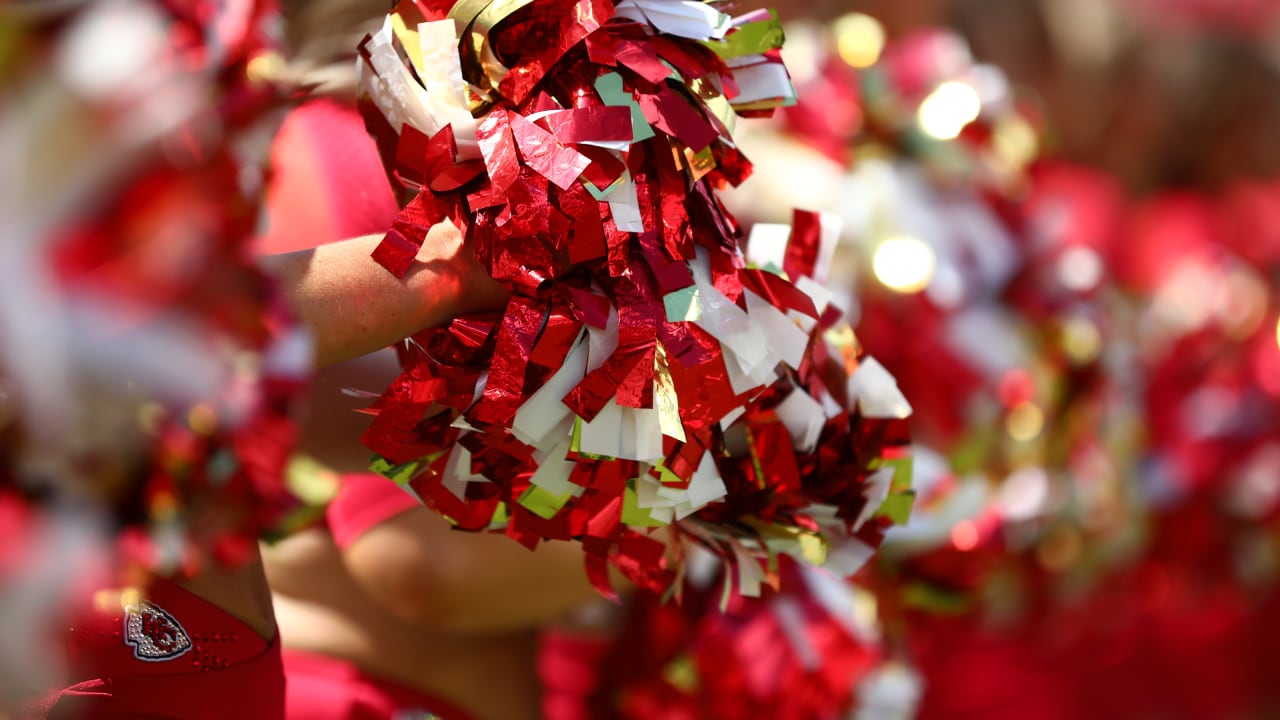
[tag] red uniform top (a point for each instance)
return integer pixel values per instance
(168, 654)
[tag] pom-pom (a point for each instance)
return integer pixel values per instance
(794, 655)
(644, 372)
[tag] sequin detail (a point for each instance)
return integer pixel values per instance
(155, 635)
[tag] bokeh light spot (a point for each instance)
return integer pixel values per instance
(1015, 141)
(1081, 340)
(1016, 387)
(948, 109)
(1025, 422)
(1079, 269)
(859, 39)
(964, 535)
(203, 419)
(1025, 493)
(903, 264)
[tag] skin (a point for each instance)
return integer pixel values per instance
(446, 612)
(410, 600)
(354, 307)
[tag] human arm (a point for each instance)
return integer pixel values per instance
(404, 558)
(431, 576)
(353, 306)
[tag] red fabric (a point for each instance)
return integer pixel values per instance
(327, 688)
(327, 181)
(365, 500)
(222, 670)
(569, 669)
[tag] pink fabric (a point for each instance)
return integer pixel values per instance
(327, 181)
(365, 500)
(321, 687)
(569, 669)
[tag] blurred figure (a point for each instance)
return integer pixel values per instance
(143, 417)
(147, 366)
(1156, 93)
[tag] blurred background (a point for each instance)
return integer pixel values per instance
(1060, 233)
(1061, 236)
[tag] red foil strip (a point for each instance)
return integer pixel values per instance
(585, 236)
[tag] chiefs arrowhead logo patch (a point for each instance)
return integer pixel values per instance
(153, 633)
